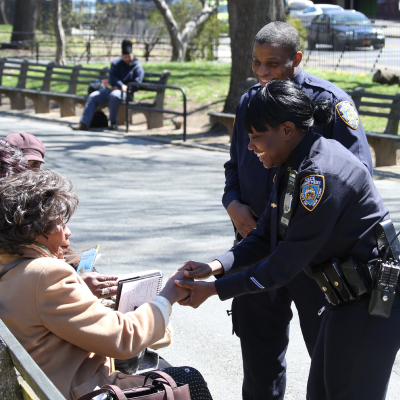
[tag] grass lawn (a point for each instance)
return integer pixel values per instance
(206, 82)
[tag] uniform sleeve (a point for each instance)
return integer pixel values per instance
(308, 232)
(232, 184)
(353, 138)
(135, 75)
(69, 310)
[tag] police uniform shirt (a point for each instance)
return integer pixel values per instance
(246, 178)
(335, 209)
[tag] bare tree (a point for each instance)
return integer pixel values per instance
(180, 40)
(24, 20)
(59, 32)
(245, 20)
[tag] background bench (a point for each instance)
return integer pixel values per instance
(384, 144)
(20, 376)
(44, 82)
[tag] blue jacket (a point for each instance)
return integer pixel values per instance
(335, 209)
(121, 73)
(246, 178)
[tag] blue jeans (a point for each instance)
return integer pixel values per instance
(100, 97)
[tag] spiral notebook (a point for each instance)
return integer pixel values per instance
(137, 289)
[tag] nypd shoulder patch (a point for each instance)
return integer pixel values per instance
(348, 113)
(312, 188)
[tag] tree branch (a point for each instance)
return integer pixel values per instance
(172, 26)
(191, 26)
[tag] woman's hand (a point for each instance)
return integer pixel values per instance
(172, 292)
(242, 216)
(197, 270)
(199, 292)
(97, 282)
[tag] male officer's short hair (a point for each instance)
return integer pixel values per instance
(280, 33)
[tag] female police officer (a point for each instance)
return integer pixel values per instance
(324, 206)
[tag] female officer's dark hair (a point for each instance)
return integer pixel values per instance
(282, 101)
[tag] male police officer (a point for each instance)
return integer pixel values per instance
(262, 320)
(124, 69)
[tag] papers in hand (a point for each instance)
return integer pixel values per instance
(88, 258)
(137, 289)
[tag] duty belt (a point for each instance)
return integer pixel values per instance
(348, 281)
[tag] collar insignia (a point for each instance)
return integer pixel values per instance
(348, 113)
(312, 188)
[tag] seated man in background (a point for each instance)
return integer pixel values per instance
(124, 70)
(33, 149)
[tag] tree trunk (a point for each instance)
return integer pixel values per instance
(242, 32)
(59, 32)
(180, 41)
(24, 20)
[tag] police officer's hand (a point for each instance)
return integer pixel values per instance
(199, 292)
(242, 216)
(124, 88)
(100, 285)
(197, 270)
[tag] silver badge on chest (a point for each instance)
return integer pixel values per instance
(287, 204)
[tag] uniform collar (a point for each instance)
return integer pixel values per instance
(299, 77)
(300, 152)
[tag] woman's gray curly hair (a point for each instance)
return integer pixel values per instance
(31, 202)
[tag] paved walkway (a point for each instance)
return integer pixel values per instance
(156, 205)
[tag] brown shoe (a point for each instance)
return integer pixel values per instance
(79, 127)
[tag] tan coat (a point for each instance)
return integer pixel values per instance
(65, 329)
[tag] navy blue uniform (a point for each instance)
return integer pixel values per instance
(335, 209)
(263, 324)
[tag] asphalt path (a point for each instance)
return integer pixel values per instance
(153, 205)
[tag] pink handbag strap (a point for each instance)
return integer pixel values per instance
(116, 390)
(167, 377)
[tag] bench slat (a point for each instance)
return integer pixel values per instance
(373, 95)
(28, 369)
(377, 114)
(378, 105)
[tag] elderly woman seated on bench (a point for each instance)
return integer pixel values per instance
(47, 306)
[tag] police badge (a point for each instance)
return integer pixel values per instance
(311, 190)
(348, 113)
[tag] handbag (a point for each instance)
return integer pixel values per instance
(164, 388)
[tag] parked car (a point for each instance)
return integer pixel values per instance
(344, 29)
(296, 7)
(309, 13)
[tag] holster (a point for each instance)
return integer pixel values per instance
(325, 285)
(342, 282)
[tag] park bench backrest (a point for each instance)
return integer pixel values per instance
(393, 104)
(32, 379)
(48, 74)
(53, 73)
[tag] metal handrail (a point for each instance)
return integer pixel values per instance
(160, 86)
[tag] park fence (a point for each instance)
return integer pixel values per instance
(352, 48)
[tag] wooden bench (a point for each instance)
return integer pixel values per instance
(42, 79)
(20, 376)
(228, 119)
(384, 144)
